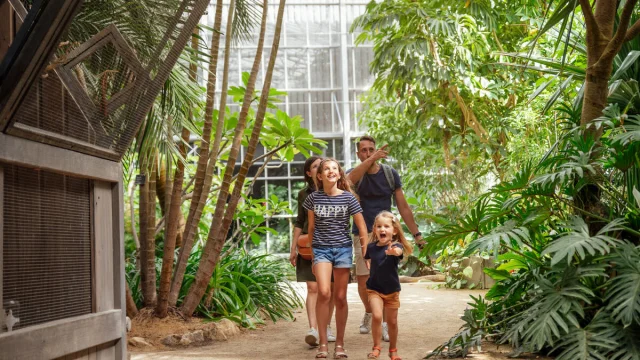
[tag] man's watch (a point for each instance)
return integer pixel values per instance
(417, 234)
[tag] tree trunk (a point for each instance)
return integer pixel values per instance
(164, 192)
(132, 309)
(174, 214)
(255, 136)
(602, 46)
(201, 187)
(446, 136)
(212, 248)
(143, 209)
(171, 232)
(149, 265)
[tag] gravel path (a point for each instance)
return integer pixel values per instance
(426, 319)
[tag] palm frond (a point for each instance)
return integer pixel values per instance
(247, 15)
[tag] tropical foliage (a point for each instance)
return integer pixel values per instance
(186, 154)
(561, 215)
(243, 288)
(438, 72)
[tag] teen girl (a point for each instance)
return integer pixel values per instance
(386, 249)
(303, 266)
(329, 211)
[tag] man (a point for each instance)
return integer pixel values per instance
(376, 185)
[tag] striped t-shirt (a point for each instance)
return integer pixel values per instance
(331, 215)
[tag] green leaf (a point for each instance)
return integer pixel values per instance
(623, 290)
(255, 238)
(513, 265)
(245, 78)
(581, 243)
(496, 274)
(631, 59)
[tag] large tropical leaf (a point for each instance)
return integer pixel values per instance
(593, 342)
(507, 234)
(623, 290)
(578, 241)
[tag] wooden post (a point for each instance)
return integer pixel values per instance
(103, 275)
(1, 239)
(119, 280)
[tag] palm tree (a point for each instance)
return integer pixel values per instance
(173, 214)
(215, 239)
(204, 170)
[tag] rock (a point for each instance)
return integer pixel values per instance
(209, 331)
(185, 341)
(139, 342)
(171, 340)
(225, 329)
(194, 337)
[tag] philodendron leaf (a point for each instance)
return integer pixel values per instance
(578, 241)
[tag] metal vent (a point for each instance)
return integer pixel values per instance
(104, 74)
(46, 246)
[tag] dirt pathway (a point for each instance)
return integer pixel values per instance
(426, 319)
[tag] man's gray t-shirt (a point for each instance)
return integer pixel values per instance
(375, 195)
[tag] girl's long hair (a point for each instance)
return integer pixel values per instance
(343, 183)
(399, 237)
(307, 167)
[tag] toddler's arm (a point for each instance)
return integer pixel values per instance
(393, 250)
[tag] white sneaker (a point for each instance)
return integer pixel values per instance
(312, 337)
(330, 336)
(365, 324)
(385, 332)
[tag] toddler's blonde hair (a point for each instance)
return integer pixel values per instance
(399, 237)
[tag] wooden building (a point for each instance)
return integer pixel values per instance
(74, 89)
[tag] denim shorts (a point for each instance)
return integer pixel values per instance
(341, 258)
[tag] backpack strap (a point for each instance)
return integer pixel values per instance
(388, 173)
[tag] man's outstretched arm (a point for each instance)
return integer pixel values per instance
(358, 172)
(407, 215)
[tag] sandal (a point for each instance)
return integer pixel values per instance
(394, 357)
(339, 354)
(371, 355)
(322, 354)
